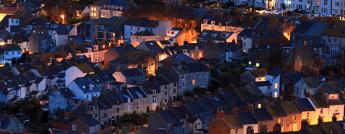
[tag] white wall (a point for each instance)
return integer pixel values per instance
(72, 73)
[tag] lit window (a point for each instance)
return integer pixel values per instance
(276, 85)
(259, 105)
(193, 82)
(257, 65)
(275, 94)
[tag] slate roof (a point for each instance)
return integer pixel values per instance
(179, 58)
(275, 71)
(136, 92)
(142, 23)
(62, 30)
(87, 85)
(291, 77)
(304, 105)
(276, 110)
(289, 107)
(263, 83)
(133, 72)
(132, 57)
(216, 35)
(246, 32)
(122, 3)
(10, 47)
(261, 115)
(196, 67)
(247, 118)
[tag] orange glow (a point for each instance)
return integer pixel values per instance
(2, 43)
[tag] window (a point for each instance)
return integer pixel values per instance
(154, 91)
(117, 110)
(276, 86)
(275, 94)
(74, 127)
(259, 105)
(193, 82)
(182, 77)
(154, 99)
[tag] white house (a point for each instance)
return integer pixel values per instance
(76, 71)
(157, 28)
(11, 51)
(56, 101)
(107, 8)
(60, 36)
(245, 39)
(12, 22)
(84, 88)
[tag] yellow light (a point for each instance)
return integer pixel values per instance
(2, 43)
(62, 16)
(2, 15)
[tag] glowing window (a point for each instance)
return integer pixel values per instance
(275, 94)
(276, 85)
(193, 82)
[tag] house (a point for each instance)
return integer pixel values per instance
(250, 125)
(167, 120)
(11, 51)
(158, 28)
(131, 75)
(225, 124)
(108, 8)
(22, 40)
(99, 30)
(59, 100)
(110, 106)
(292, 122)
(10, 124)
(140, 37)
(263, 118)
(290, 82)
(76, 123)
(245, 39)
(278, 114)
(327, 103)
(135, 59)
(252, 76)
(215, 37)
(40, 41)
(174, 36)
(60, 36)
(84, 88)
(76, 71)
(307, 108)
(228, 53)
(140, 101)
(191, 76)
(95, 52)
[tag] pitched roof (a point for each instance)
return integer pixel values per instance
(10, 47)
(247, 118)
(142, 23)
(305, 105)
(133, 72)
(261, 115)
(87, 85)
(289, 107)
